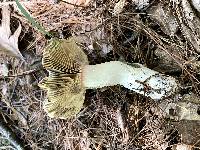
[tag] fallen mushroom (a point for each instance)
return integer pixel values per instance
(70, 75)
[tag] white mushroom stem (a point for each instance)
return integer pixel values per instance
(135, 77)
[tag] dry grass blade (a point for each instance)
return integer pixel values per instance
(8, 42)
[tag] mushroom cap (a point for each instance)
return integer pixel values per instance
(65, 94)
(64, 56)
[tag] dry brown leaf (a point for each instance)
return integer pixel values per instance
(141, 4)
(8, 42)
(182, 147)
(78, 2)
(196, 4)
(4, 69)
(119, 7)
(164, 18)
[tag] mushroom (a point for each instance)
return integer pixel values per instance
(70, 75)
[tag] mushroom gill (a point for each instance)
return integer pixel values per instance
(65, 94)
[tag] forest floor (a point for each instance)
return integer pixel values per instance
(162, 35)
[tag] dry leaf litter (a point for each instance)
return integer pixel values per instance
(112, 118)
